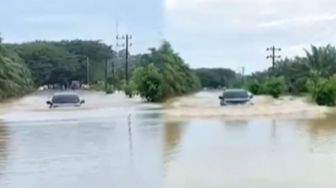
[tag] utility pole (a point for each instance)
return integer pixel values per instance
(113, 72)
(241, 71)
(88, 71)
(126, 64)
(109, 58)
(243, 75)
(106, 63)
(273, 56)
(127, 44)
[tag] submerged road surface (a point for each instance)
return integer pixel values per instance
(113, 141)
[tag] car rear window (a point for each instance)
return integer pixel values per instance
(235, 94)
(63, 99)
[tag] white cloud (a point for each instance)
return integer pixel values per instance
(299, 21)
(170, 4)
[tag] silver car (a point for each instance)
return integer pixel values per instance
(235, 97)
(65, 100)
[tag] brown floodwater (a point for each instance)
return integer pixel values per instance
(118, 142)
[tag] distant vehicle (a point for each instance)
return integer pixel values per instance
(75, 84)
(85, 86)
(65, 100)
(235, 97)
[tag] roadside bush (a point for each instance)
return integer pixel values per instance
(109, 89)
(275, 86)
(130, 89)
(255, 87)
(323, 91)
(99, 85)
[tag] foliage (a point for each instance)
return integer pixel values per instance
(275, 86)
(109, 89)
(130, 89)
(295, 73)
(149, 83)
(162, 74)
(321, 60)
(217, 77)
(98, 85)
(323, 90)
(15, 77)
(61, 62)
(255, 87)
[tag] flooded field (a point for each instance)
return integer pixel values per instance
(113, 141)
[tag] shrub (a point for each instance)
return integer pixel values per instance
(323, 91)
(99, 85)
(275, 86)
(255, 87)
(149, 83)
(130, 89)
(109, 89)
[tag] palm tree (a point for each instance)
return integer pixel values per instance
(321, 61)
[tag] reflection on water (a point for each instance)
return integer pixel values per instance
(3, 141)
(135, 145)
(323, 127)
(4, 133)
(172, 135)
(235, 124)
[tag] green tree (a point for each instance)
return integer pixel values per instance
(216, 77)
(321, 60)
(15, 78)
(149, 83)
(61, 62)
(162, 74)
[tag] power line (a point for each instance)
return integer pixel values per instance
(273, 56)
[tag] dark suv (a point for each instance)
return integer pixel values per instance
(235, 96)
(65, 100)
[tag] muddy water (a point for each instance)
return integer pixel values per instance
(206, 104)
(116, 142)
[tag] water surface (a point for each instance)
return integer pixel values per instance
(126, 143)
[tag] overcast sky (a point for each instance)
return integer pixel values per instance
(206, 33)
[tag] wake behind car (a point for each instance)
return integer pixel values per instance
(235, 97)
(65, 100)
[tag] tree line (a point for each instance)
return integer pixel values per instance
(159, 74)
(312, 74)
(156, 76)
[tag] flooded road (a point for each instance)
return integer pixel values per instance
(118, 142)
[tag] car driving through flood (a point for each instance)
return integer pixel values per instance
(65, 99)
(235, 97)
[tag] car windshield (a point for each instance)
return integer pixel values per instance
(63, 99)
(235, 94)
